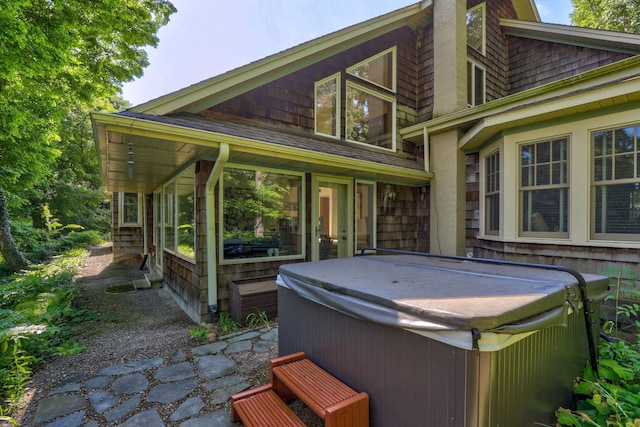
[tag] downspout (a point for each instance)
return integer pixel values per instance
(425, 142)
(210, 200)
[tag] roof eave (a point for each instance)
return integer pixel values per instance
(627, 68)
(575, 36)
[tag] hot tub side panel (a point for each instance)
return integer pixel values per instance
(411, 380)
(527, 381)
(415, 380)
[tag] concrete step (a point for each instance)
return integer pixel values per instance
(141, 284)
(154, 279)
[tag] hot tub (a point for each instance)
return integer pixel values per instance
(442, 341)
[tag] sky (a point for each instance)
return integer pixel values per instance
(206, 38)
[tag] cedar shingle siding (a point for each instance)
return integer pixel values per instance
(533, 63)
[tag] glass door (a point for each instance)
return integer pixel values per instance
(332, 231)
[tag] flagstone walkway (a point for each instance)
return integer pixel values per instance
(128, 394)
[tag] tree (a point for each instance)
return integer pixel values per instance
(614, 15)
(58, 57)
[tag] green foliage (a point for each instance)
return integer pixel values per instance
(199, 333)
(615, 15)
(614, 398)
(625, 291)
(59, 60)
(37, 319)
(227, 324)
(256, 319)
(67, 349)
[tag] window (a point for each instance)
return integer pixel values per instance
(130, 211)
(379, 69)
(186, 219)
(370, 105)
(261, 214)
(476, 28)
(177, 221)
(544, 188)
(475, 84)
(492, 194)
(169, 235)
(370, 117)
(616, 183)
(327, 119)
(365, 215)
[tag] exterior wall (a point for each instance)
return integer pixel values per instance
(551, 62)
(186, 279)
(289, 101)
(497, 84)
(472, 207)
(128, 242)
(405, 224)
(585, 259)
(424, 54)
(179, 275)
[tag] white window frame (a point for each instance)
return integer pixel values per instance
(483, 14)
(121, 207)
(338, 106)
(471, 83)
(489, 193)
(540, 187)
(595, 234)
(394, 63)
(393, 115)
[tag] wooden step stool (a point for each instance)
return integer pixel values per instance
(295, 376)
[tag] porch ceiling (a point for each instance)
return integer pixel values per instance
(162, 146)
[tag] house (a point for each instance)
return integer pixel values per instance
(447, 127)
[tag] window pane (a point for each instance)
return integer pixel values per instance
(617, 209)
(261, 215)
(326, 107)
(475, 28)
(543, 175)
(365, 216)
(479, 86)
(492, 197)
(369, 118)
(470, 84)
(186, 213)
(169, 213)
(130, 208)
(493, 213)
(545, 210)
(624, 166)
(378, 70)
(624, 140)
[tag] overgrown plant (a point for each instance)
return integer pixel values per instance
(256, 319)
(227, 324)
(199, 333)
(36, 319)
(624, 284)
(613, 398)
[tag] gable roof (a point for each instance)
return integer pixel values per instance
(207, 93)
(203, 95)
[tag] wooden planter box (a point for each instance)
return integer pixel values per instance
(253, 295)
